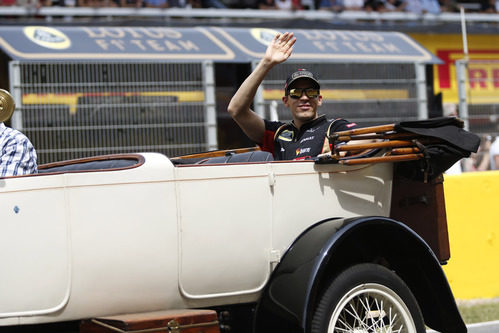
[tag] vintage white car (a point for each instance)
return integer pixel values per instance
(273, 246)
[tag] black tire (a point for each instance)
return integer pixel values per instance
(376, 295)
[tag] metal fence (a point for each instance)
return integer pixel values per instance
(73, 110)
(478, 81)
(368, 94)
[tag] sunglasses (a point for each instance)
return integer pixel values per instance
(298, 92)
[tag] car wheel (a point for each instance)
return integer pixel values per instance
(367, 298)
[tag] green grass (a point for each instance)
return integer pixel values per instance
(477, 311)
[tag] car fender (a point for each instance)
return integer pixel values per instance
(330, 246)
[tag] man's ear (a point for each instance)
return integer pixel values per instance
(285, 100)
(319, 100)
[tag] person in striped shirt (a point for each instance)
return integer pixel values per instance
(17, 154)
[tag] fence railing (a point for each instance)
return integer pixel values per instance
(74, 110)
(69, 13)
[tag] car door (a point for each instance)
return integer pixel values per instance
(225, 230)
(34, 246)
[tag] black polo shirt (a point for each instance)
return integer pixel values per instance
(286, 142)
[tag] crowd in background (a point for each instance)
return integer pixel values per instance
(487, 156)
(412, 6)
(484, 159)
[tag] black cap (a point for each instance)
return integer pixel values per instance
(300, 74)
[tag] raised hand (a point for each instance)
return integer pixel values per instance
(280, 48)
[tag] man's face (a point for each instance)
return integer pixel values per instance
(303, 109)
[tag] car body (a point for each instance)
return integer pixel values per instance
(143, 232)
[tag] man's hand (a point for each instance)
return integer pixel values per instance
(280, 48)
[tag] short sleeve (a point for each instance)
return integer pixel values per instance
(271, 128)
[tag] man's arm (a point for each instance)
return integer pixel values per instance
(252, 125)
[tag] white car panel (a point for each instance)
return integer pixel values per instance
(156, 236)
(228, 248)
(306, 193)
(34, 253)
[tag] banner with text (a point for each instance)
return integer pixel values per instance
(483, 66)
(204, 43)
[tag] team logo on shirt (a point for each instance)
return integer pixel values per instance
(286, 135)
(307, 139)
(300, 151)
(47, 37)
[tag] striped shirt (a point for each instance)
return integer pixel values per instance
(17, 154)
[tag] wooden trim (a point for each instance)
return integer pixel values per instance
(216, 153)
(381, 159)
(140, 160)
(167, 321)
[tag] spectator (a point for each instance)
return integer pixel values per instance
(488, 6)
(194, 4)
(8, 2)
(33, 4)
(494, 154)
(430, 6)
(130, 3)
(331, 5)
(212, 4)
(156, 3)
(374, 6)
(240, 4)
(103, 3)
(86, 3)
(395, 5)
(60, 3)
(449, 6)
(307, 4)
(92, 3)
(423, 6)
(288, 4)
(479, 161)
(353, 4)
(266, 4)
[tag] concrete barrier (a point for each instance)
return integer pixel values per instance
(472, 204)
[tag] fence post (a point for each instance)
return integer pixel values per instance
(421, 94)
(16, 120)
(461, 66)
(210, 105)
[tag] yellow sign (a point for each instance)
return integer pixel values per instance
(483, 68)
